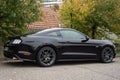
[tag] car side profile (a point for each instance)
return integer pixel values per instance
(50, 45)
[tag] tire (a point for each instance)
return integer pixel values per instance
(107, 55)
(26, 61)
(46, 57)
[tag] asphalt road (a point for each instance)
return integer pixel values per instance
(80, 70)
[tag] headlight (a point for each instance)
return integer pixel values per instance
(16, 41)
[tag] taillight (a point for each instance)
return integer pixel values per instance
(16, 41)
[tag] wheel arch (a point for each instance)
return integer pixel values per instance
(112, 47)
(46, 45)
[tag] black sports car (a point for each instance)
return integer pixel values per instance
(56, 44)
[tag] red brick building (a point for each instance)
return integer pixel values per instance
(50, 19)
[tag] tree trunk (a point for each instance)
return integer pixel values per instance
(94, 28)
(71, 20)
(71, 15)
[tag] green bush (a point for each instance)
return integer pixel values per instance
(117, 48)
(117, 44)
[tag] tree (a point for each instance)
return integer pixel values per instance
(16, 14)
(90, 16)
(103, 16)
(115, 18)
(73, 13)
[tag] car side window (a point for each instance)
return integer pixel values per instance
(52, 34)
(70, 34)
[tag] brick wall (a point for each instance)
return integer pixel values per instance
(49, 20)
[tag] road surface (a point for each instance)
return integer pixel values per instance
(78, 70)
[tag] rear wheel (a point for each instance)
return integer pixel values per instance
(46, 56)
(107, 55)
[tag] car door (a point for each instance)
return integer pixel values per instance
(75, 45)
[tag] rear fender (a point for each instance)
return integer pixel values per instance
(45, 45)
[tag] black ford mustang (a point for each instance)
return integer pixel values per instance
(55, 44)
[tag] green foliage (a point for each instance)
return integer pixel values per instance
(115, 19)
(16, 14)
(103, 16)
(90, 16)
(73, 13)
(117, 44)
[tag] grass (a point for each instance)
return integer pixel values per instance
(117, 44)
(1, 52)
(118, 51)
(1, 55)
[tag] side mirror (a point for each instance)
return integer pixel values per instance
(86, 39)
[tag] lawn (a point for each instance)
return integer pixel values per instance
(1, 55)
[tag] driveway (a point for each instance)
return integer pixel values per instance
(79, 70)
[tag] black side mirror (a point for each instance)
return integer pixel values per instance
(86, 39)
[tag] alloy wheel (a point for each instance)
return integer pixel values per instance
(107, 55)
(46, 56)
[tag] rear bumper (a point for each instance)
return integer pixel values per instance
(8, 54)
(22, 52)
(21, 55)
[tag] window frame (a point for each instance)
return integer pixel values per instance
(57, 32)
(73, 31)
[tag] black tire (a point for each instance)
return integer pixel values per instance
(107, 55)
(46, 57)
(26, 61)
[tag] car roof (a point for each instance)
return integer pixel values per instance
(50, 30)
(53, 29)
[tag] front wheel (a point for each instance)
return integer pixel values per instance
(46, 57)
(107, 55)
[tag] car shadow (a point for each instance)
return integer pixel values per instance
(17, 63)
(78, 62)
